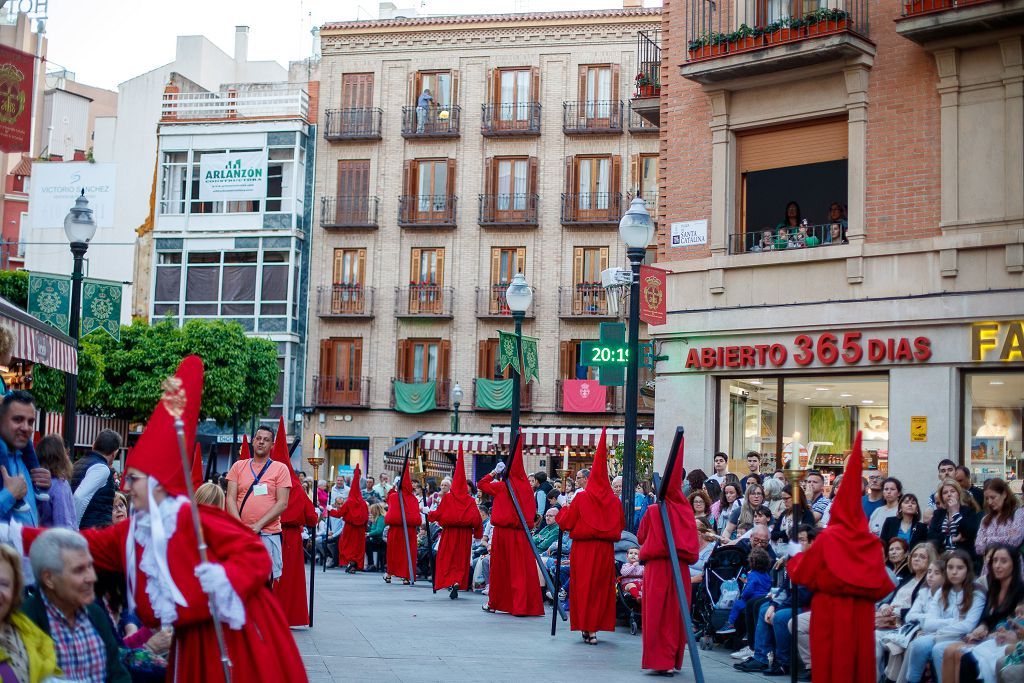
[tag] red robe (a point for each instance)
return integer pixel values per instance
(290, 589)
(262, 650)
(514, 583)
(664, 639)
(460, 524)
(352, 545)
(398, 552)
(592, 563)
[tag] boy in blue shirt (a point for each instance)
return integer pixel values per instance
(759, 582)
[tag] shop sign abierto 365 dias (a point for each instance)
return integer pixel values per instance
(233, 176)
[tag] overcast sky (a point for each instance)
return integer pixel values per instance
(106, 42)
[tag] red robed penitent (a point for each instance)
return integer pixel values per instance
(460, 522)
(398, 552)
(356, 513)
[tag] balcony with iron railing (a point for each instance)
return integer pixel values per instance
(341, 392)
(491, 302)
(586, 301)
(609, 397)
(591, 209)
(236, 102)
(435, 121)
(424, 300)
(515, 119)
(646, 100)
(740, 38)
(592, 117)
(427, 210)
(787, 239)
(498, 210)
(925, 21)
(525, 396)
(344, 300)
(348, 212)
(353, 124)
(442, 391)
(638, 125)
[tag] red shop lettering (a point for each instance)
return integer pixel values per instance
(827, 348)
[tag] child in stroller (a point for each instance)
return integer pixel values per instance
(726, 563)
(631, 577)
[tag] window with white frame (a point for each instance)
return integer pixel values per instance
(174, 183)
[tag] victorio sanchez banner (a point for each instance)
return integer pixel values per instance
(233, 176)
(17, 72)
(57, 184)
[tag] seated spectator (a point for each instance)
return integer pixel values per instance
(773, 495)
(548, 533)
(375, 544)
(701, 504)
(65, 608)
(889, 654)
(783, 526)
(759, 537)
(730, 494)
(892, 489)
(753, 499)
(758, 583)
(631, 575)
(705, 546)
(762, 517)
(897, 560)
(1003, 521)
(955, 523)
(965, 478)
(793, 217)
(836, 224)
(893, 608)
(119, 510)
(54, 457)
(953, 613)
(26, 652)
(907, 524)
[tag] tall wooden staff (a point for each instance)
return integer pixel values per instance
(315, 463)
(677, 575)
(564, 474)
(173, 401)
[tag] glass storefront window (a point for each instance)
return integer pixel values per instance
(992, 408)
(815, 422)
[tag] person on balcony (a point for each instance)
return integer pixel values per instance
(836, 224)
(423, 103)
(793, 218)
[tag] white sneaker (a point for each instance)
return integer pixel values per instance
(742, 654)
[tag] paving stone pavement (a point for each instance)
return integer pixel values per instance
(367, 630)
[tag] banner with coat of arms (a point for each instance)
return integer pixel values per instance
(653, 295)
(17, 79)
(101, 308)
(49, 299)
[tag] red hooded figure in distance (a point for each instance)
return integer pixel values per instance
(595, 521)
(290, 589)
(157, 549)
(845, 567)
(356, 513)
(399, 553)
(664, 639)
(515, 585)
(460, 522)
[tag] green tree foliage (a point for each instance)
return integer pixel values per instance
(644, 459)
(14, 287)
(93, 390)
(261, 378)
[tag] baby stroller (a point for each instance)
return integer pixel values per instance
(725, 563)
(627, 608)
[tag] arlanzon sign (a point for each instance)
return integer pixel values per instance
(233, 176)
(234, 170)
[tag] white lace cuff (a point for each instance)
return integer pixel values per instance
(228, 603)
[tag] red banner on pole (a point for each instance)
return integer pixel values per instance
(653, 295)
(17, 76)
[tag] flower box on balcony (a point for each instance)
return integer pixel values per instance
(648, 91)
(922, 6)
(827, 26)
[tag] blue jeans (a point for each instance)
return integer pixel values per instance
(922, 649)
(774, 637)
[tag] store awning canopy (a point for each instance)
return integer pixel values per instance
(449, 442)
(87, 427)
(396, 454)
(550, 439)
(37, 342)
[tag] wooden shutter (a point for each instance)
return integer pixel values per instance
(566, 362)
(451, 177)
(413, 89)
(531, 175)
(792, 146)
(495, 265)
(494, 89)
(339, 261)
(582, 89)
(534, 84)
(353, 177)
(356, 91)
(402, 360)
(409, 176)
(357, 364)
(482, 369)
(615, 85)
(615, 182)
(577, 265)
(604, 259)
(362, 267)
(414, 265)
(635, 171)
(455, 88)
(326, 359)
(444, 353)
(490, 186)
(520, 260)
(440, 266)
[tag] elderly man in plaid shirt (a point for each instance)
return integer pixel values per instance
(65, 609)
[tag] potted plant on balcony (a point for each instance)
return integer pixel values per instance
(783, 30)
(708, 45)
(745, 38)
(826, 20)
(647, 86)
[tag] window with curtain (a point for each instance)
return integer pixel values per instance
(424, 361)
(167, 285)
(599, 92)
(274, 292)
(440, 85)
(174, 183)
(515, 94)
(280, 174)
(238, 284)
(512, 184)
(594, 183)
(432, 185)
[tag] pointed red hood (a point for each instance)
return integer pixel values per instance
(280, 452)
(503, 513)
(457, 508)
(852, 553)
(654, 543)
(599, 508)
(244, 453)
(459, 485)
(356, 489)
(354, 510)
(393, 517)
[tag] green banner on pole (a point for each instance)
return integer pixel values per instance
(493, 394)
(415, 398)
(509, 351)
(531, 363)
(101, 308)
(49, 299)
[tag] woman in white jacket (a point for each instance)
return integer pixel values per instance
(952, 613)
(895, 664)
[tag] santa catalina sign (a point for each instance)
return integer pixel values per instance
(233, 176)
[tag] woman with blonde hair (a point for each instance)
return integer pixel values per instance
(120, 509)
(955, 522)
(773, 496)
(375, 543)
(210, 494)
(27, 654)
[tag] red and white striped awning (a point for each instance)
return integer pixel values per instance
(37, 342)
(545, 439)
(87, 427)
(449, 443)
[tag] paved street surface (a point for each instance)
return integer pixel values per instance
(367, 630)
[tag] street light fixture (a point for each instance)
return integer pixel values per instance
(80, 227)
(518, 296)
(636, 230)
(457, 396)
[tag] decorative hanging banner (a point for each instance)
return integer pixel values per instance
(508, 350)
(17, 76)
(493, 394)
(652, 295)
(49, 299)
(101, 308)
(415, 398)
(531, 363)
(583, 396)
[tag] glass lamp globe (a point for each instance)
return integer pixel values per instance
(519, 295)
(457, 394)
(636, 227)
(79, 225)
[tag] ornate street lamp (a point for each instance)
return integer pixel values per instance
(457, 396)
(80, 228)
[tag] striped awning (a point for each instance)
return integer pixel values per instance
(545, 439)
(37, 342)
(87, 427)
(448, 442)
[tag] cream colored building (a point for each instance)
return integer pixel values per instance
(904, 322)
(523, 158)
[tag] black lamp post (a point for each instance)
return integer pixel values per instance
(636, 230)
(519, 296)
(80, 227)
(457, 396)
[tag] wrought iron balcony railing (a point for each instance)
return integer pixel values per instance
(585, 117)
(431, 122)
(353, 124)
(508, 209)
(419, 210)
(348, 212)
(345, 300)
(519, 118)
(592, 208)
(424, 300)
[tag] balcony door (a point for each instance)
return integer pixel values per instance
(352, 205)
(356, 101)
(588, 293)
(443, 87)
(598, 89)
(424, 360)
(505, 263)
(512, 183)
(514, 93)
(593, 187)
(341, 362)
(426, 281)
(347, 293)
(431, 185)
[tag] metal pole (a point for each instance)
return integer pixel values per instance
(636, 257)
(78, 250)
(456, 420)
(516, 377)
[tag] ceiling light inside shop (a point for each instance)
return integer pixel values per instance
(867, 401)
(997, 383)
(845, 395)
(821, 388)
(755, 382)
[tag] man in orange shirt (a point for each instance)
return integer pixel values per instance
(258, 491)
